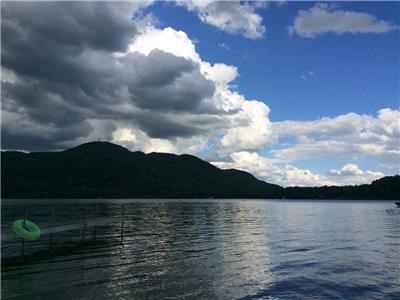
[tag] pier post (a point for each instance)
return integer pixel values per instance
(122, 224)
(51, 234)
(83, 223)
(23, 241)
(95, 227)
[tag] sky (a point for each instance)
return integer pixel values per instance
(296, 93)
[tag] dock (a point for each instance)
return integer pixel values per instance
(84, 226)
(8, 234)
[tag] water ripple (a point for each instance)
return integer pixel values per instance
(211, 250)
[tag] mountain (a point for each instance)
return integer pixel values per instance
(106, 170)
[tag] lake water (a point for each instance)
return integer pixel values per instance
(208, 249)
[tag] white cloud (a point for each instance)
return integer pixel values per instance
(351, 136)
(219, 73)
(351, 174)
(324, 18)
(287, 175)
(303, 177)
(267, 169)
(235, 123)
(168, 40)
(255, 132)
(179, 44)
(229, 16)
(136, 139)
(349, 169)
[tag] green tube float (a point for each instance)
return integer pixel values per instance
(28, 231)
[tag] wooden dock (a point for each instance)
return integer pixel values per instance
(7, 234)
(50, 229)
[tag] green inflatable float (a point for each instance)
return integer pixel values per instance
(28, 231)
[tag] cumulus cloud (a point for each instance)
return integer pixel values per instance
(63, 71)
(352, 174)
(325, 18)
(161, 81)
(243, 124)
(270, 170)
(69, 80)
(253, 131)
(68, 26)
(230, 16)
(133, 138)
(350, 136)
(267, 169)
(154, 38)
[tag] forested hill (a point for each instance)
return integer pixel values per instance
(106, 170)
(386, 188)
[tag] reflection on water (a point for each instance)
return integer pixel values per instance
(210, 250)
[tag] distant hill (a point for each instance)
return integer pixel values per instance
(106, 170)
(386, 188)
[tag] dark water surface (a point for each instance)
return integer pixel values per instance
(208, 250)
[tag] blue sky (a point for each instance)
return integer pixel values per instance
(304, 78)
(296, 93)
(352, 72)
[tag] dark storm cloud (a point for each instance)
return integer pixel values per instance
(166, 82)
(63, 56)
(69, 25)
(41, 106)
(13, 138)
(158, 126)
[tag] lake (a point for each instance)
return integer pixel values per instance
(207, 249)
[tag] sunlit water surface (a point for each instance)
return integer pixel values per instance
(208, 249)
